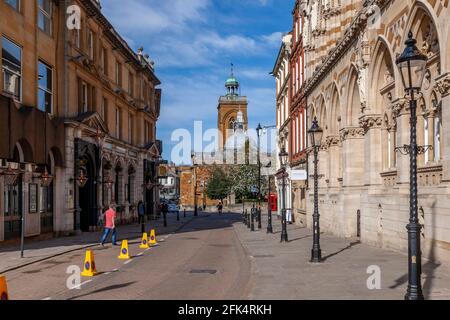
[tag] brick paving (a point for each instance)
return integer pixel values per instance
(283, 271)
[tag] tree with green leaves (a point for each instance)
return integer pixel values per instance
(243, 178)
(219, 185)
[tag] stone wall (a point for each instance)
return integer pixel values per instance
(358, 97)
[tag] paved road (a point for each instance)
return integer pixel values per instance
(203, 260)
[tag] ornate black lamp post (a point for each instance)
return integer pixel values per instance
(316, 134)
(259, 131)
(412, 65)
(283, 161)
(195, 184)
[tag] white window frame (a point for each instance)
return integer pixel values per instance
(46, 90)
(47, 15)
(85, 97)
(19, 98)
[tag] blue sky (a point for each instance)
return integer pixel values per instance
(193, 43)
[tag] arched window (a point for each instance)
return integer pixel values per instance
(231, 124)
(437, 112)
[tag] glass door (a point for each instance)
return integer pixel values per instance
(46, 207)
(13, 210)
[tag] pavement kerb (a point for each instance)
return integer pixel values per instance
(80, 249)
(253, 266)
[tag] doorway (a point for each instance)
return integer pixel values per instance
(13, 196)
(88, 197)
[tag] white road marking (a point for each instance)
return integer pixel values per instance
(115, 270)
(147, 249)
(127, 262)
(81, 284)
(46, 299)
(106, 273)
(140, 254)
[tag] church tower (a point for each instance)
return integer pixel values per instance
(232, 111)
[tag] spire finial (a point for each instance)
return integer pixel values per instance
(232, 69)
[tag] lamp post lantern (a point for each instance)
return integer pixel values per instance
(412, 66)
(283, 161)
(316, 134)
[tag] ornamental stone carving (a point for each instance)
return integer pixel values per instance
(370, 121)
(399, 107)
(333, 141)
(443, 84)
(352, 133)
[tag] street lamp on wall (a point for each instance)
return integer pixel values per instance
(283, 161)
(412, 65)
(82, 179)
(316, 135)
(11, 176)
(46, 178)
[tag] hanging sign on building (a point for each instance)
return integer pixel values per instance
(298, 175)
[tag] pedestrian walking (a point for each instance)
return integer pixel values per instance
(220, 207)
(110, 225)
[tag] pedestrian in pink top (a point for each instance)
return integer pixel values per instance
(110, 226)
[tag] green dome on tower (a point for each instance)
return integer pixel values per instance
(232, 85)
(232, 81)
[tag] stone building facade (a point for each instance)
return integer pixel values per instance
(112, 108)
(354, 89)
(97, 103)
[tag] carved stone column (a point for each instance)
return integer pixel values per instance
(400, 112)
(443, 87)
(371, 123)
(353, 156)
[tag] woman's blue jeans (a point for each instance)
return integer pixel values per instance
(106, 234)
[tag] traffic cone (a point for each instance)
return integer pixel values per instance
(144, 243)
(3, 289)
(153, 241)
(124, 252)
(89, 265)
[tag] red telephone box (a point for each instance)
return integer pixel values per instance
(274, 202)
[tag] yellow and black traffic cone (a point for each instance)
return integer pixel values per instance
(144, 243)
(124, 252)
(90, 269)
(153, 241)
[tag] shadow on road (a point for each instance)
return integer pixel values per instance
(110, 288)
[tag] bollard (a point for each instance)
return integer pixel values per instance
(253, 221)
(259, 219)
(178, 215)
(184, 213)
(165, 219)
(248, 220)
